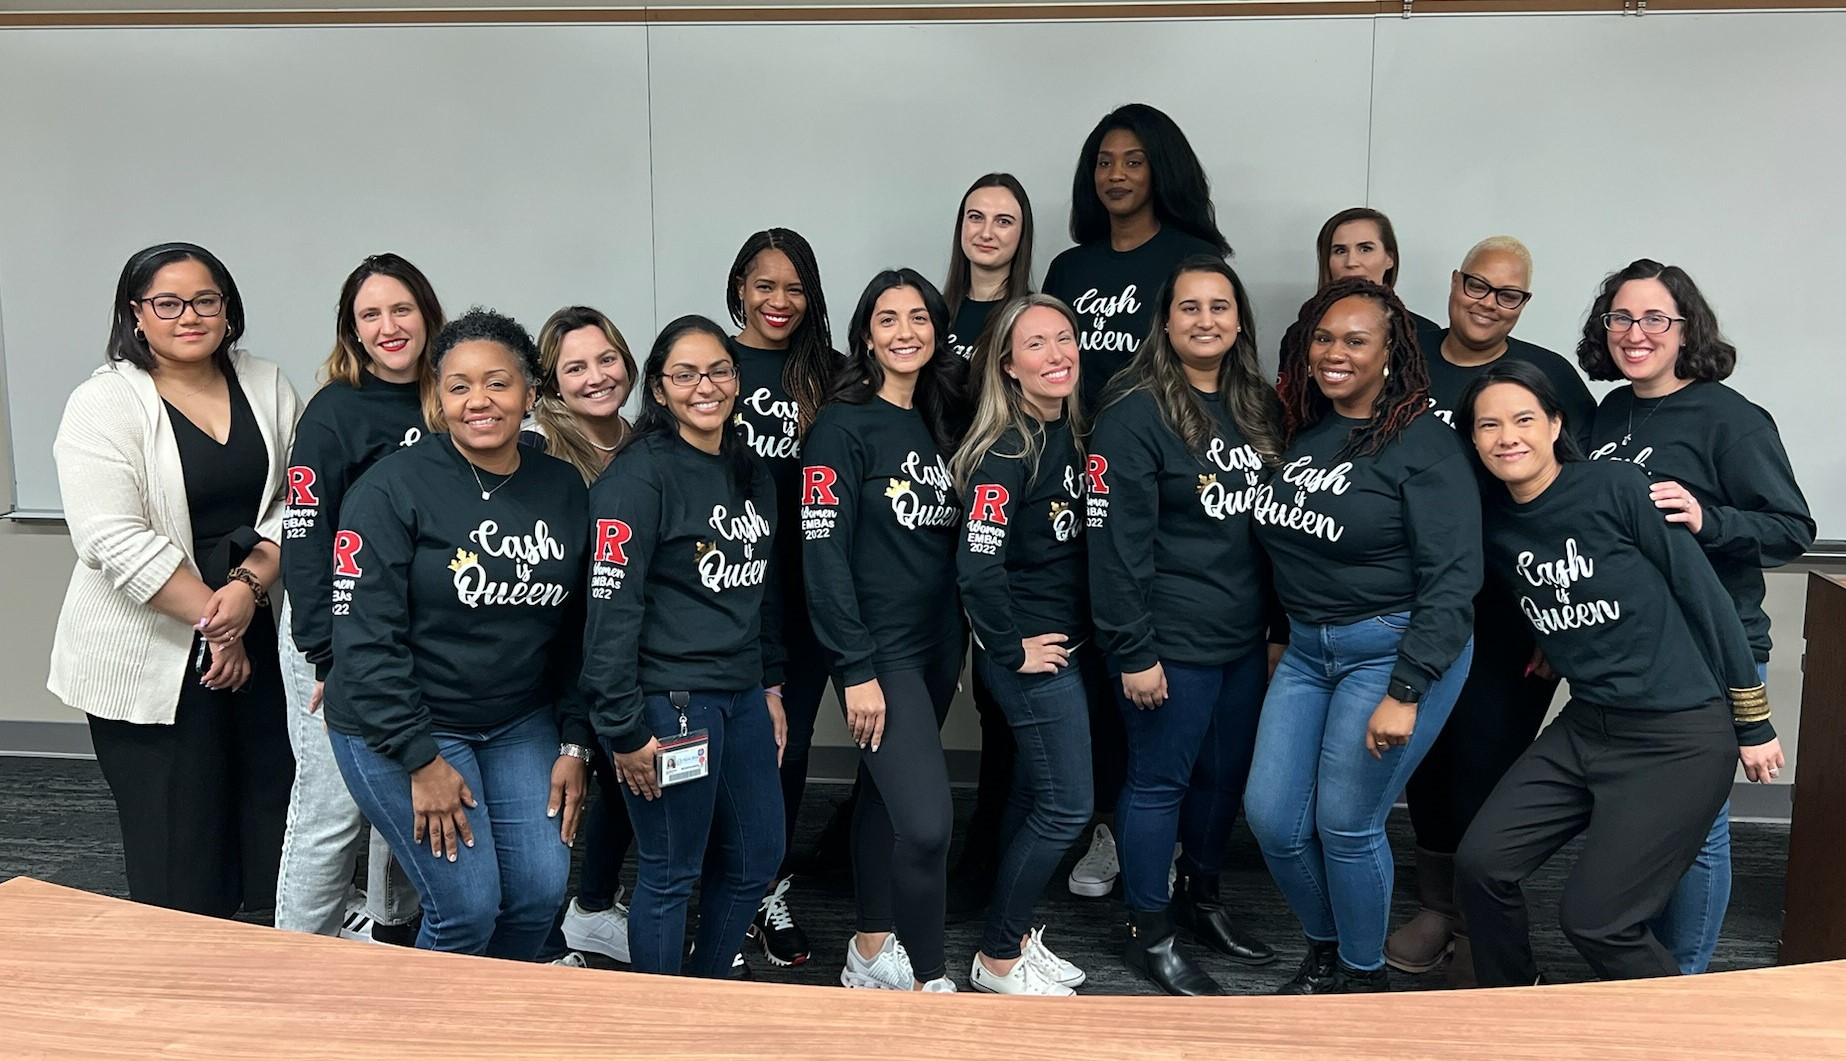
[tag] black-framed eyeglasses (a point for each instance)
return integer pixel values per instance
(686, 378)
(1507, 297)
(1651, 323)
(170, 307)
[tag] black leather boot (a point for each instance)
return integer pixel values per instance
(1151, 953)
(1350, 981)
(1198, 907)
(1316, 975)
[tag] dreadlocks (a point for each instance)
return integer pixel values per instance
(1405, 395)
(809, 366)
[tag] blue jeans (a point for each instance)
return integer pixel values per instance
(1051, 801)
(1317, 798)
(737, 805)
(498, 897)
(1694, 916)
(1187, 763)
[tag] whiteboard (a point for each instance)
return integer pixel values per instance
(1740, 184)
(527, 167)
(509, 162)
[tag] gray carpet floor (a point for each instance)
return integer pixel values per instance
(57, 823)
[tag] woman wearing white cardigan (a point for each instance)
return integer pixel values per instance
(171, 461)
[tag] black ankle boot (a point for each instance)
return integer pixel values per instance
(1317, 972)
(1350, 981)
(1150, 952)
(1199, 909)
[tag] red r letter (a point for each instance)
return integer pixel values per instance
(990, 504)
(1098, 467)
(301, 487)
(611, 535)
(818, 489)
(346, 546)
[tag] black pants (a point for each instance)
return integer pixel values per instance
(1642, 787)
(805, 679)
(1493, 723)
(607, 835)
(203, 802)
(904, 815)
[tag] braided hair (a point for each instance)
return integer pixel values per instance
(810, 364)
(1405, 395)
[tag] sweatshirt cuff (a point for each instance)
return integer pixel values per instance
(417, 752)
(773, 675)
(575, 729)
(856, 674)
(1405, 672)
(1006, 655)
(1751, 734)
(322, 668)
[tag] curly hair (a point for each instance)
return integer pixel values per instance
(1405, 395)
(481, 324)
(1704, 352)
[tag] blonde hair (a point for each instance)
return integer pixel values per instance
(563, 431)
(1000, 404)
(1503, 244)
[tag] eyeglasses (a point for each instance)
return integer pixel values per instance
(1507, 297)
(1651, 323)
(686, 379)
(169, 307)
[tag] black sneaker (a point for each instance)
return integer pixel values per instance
(784, 944)
(740, 969)
(1318, 972)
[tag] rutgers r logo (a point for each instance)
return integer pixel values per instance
(1097, 467)
(817, 485)
(346, 546)
(989, 504)
(301, 487)
(611, 535)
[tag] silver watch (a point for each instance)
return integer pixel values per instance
(577, 751)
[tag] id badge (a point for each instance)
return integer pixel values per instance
(686, 757)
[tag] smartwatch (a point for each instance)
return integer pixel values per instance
(1402, 692)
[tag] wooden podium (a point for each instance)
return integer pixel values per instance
(1814, 922)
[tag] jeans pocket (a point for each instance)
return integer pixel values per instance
(1396, 622)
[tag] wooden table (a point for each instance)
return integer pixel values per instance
(87, 976)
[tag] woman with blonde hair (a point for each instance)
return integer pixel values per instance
(1021, 566)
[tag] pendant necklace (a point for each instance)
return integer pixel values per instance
(486, 494)
(1650, 415)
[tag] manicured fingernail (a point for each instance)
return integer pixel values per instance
(551, 812)
(451, 856)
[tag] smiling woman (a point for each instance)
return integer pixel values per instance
(171, 460)
(464, 542)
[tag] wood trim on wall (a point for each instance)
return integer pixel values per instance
(999, 11)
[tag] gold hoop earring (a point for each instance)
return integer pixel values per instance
(139, 337)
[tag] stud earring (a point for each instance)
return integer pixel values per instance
(1387, 372)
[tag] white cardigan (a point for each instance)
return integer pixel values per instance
(125, 503)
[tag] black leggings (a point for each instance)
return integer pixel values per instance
(203, 801)
(904, 815)
(804, 681)
(1643, 788)
(1493, 723)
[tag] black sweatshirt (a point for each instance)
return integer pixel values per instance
(465, 614)
(1021, 562)
(879, 523)
(1623, 603)
(1113, 293)
(1712, 441)
(965, 330)
(1448, 381)
(683, 584)
(343, 431)
(1175, 571)
(1352, 538)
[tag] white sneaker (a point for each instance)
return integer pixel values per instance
(572, 960)
(603, 932)
(1026, 977)
(1053, 967)
(1094, 874)
(942, 985)
(889, 969)
(357, 924)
